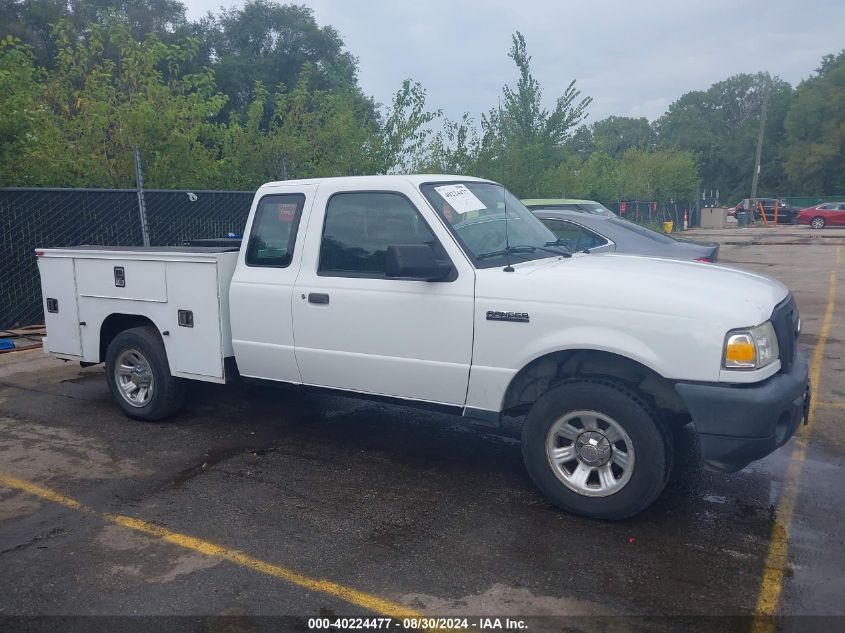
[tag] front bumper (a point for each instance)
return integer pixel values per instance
(738, 424)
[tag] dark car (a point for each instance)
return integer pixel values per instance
(786, 213)
(600, 233)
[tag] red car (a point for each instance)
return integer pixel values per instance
(822, 215)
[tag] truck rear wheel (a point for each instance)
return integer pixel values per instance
(139, 376)
(597, 449)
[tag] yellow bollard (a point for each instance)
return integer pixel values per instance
(667, 226)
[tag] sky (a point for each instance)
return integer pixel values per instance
(633, 57)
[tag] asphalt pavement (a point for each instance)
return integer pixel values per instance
(261, 501)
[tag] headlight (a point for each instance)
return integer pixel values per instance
(751, 348)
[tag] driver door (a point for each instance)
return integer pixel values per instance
(358, 330)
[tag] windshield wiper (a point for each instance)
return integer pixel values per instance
(510, 250)
(526, 248)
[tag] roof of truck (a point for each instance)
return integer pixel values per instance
(415, 179)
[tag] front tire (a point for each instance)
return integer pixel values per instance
(139, 377)
(596, 448)
(817, 222)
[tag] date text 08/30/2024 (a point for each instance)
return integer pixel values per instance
(417, 623)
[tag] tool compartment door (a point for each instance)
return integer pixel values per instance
(197, 348)
(61, 312)
(132, 279)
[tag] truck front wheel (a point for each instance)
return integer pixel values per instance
(139, 376)
(597, 449)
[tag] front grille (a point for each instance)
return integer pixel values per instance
(785, 322)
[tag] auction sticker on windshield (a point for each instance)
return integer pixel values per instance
(461, 199)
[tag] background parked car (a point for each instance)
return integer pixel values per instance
(786, 213)
(568, 204)
(822, 215)
(601, 232)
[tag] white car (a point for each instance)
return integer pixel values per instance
(446, 292)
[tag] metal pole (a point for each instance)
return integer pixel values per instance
(760, 133)
(142, 205)
(697, 208)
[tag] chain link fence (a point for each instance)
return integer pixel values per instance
(174, 216)
(653, 214)
(45, 218)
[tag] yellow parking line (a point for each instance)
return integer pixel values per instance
(362, 599)
(774, 571)
(40, 491)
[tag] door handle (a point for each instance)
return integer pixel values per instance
(318, 297)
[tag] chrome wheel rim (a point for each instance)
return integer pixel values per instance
(134, 378)
(817, 223)
(590, 453)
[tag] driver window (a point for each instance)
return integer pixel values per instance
(360, 226)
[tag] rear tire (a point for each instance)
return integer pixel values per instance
(596, 448)
(817, 222)
(139, 377)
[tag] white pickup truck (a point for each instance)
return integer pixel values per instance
(446, 292)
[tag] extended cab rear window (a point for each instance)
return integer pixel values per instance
(274, 229)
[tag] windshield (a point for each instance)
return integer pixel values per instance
(475, 213)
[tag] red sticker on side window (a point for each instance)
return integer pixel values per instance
(286, 211)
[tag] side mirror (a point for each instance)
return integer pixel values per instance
(415, 262)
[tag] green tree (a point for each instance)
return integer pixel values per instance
(33, 20)
(454, 149)
(522, 140)
(596, 178)
(580, 143)
(101, 109)
(271, 43)
(32, 23)
(319, 132)
(719, 125)
(658, 175)
(616, 134)
(815, 131)
(315, 132)
(404, 142)
(24, 121)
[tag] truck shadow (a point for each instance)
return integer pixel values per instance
(398, 482)
(441, 445)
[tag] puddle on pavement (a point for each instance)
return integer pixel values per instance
(41, 453)
(501, 600)
(132, 559)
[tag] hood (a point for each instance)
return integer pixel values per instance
(646, 285)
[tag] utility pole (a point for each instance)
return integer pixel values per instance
(753, 201)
